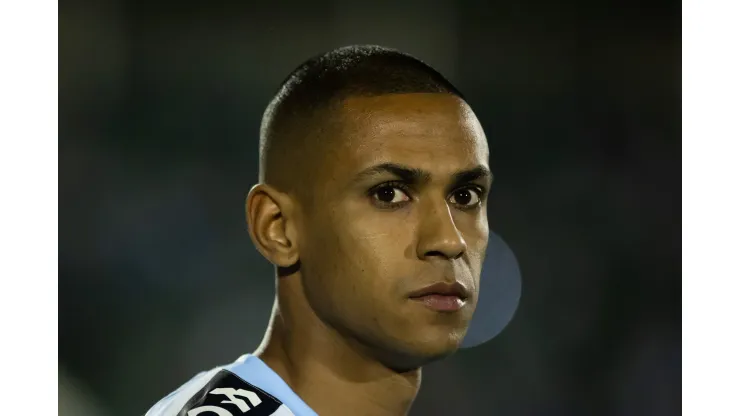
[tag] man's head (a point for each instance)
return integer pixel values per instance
(373, 185)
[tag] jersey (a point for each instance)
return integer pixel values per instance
(246, 387)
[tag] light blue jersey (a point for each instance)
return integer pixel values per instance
(246, 387)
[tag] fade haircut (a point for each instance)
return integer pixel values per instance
(297, 119)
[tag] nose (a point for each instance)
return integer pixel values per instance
(438, 235)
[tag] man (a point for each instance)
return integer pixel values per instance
(371, 204)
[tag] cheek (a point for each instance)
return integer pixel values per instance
(374, 250)
(378, 235)
(480, 238)
(356, 250)
(474, 230)
(476, 238)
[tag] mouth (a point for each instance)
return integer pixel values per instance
(442, 297)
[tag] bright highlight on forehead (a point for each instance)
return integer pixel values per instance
(441, 127)
(394, 112)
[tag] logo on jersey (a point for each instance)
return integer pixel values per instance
(226, 394)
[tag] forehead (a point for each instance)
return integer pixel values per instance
(435, 132)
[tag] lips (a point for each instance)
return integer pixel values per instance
(442, 289)
(441, 303)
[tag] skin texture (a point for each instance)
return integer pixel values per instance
(348, 260)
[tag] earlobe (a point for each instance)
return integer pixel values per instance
(270, 225)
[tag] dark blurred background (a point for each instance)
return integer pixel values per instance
(159, 111)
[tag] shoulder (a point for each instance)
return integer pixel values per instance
(219, 392)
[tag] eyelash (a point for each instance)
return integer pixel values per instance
(407, 190)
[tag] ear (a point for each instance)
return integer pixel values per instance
(271, 225)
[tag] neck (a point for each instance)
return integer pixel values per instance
(330, 373)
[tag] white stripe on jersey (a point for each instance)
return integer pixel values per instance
(175, 401)
(172, 404)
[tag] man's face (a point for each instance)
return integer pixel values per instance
(374, 233)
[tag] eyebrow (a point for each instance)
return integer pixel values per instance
(418, 176)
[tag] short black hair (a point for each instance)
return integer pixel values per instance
(326, 79)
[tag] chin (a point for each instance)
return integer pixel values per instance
(426, 349)
(440, 346)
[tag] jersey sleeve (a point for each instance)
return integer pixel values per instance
(219, 392)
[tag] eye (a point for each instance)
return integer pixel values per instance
(389, 194)
(467, 197)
